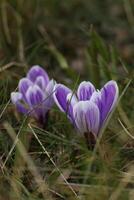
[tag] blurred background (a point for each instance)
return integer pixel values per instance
(36, 31)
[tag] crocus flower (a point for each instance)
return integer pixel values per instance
(34, 97)
(88, 108)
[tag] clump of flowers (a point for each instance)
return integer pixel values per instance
(88, 108)
(35, 95)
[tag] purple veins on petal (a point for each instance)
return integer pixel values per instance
(37, 71)
(106, 99)
(49, 100)
(40, 82)
(35, 96)
(50, 87)
(35, 99)
(71, 101)
(60, 96)
(85, 91)
(87, 117)
(109, 95)
(24, 84)
(17, 99)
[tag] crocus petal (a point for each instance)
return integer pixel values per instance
(50, 87)
(71, 101)
(37, 71)
(49, 100)
(16, 99)
(106, 99)
(85, 91)
(35, 99)
(87, 117)
(60, 96)
(109, 95)
(24, 84)
(40, 82)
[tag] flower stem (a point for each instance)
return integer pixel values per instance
(90, 139)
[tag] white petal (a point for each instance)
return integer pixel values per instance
(87, 117)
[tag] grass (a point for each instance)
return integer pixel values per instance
(73, 41)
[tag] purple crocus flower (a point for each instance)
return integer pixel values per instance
(35, 94)
(88, 108)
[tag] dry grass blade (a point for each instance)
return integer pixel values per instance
(11, 64)
(1, 114)
(125, 129)
(10, 152)
(126, 179)
(46, 152)
(124, 116)
(43, 188)
(4, 109)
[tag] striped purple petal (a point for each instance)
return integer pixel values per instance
(87, 117)
(49, 100)
(35, 96)
(35, 99)
(60, 96)
(85, 91)
(71, 101)
(40, 81)
(106, 99)
(37, 71)
(17, 99)
(24, 84)
(50, 87)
